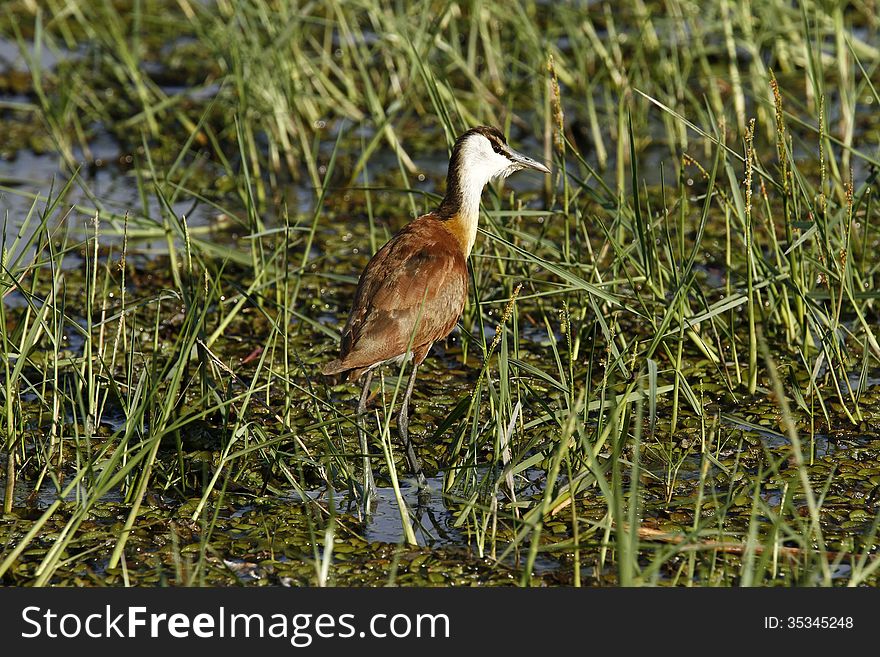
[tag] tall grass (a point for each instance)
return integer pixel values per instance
(693, 293)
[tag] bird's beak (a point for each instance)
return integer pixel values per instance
(526, 162)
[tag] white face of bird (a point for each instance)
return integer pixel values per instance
(477, 159)
(483, 160)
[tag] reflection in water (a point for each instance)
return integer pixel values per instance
(432, 520)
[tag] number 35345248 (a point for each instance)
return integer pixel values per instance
(808, 622)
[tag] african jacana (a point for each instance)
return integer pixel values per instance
(413, 290)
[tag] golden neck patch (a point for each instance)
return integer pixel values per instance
(463, 226)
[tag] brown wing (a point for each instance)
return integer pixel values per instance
(415, 287)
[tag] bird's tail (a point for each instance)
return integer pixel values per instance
(333, 367)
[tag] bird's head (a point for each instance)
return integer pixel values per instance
(481, 154)
(478, 156)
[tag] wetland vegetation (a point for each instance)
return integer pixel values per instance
(668, 372)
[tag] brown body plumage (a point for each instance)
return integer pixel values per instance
(411, 294)
(414, 289)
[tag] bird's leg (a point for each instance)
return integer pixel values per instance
(403, 427)
(369, 484)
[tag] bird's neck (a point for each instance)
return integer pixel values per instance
(460, 209)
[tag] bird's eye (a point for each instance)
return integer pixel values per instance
(497, 148)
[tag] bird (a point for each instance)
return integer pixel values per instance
(414, 289)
